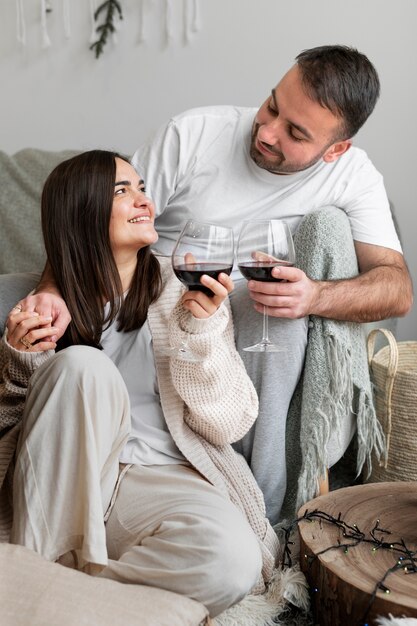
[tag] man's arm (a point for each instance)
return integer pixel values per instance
(382, 289)
(46, 300)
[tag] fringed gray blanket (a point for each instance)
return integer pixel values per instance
(335, 383)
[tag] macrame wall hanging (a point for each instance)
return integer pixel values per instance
(105, 20)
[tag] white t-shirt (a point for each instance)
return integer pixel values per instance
(150, 442)
(198, 166)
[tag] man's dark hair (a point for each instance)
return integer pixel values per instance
(344, 81)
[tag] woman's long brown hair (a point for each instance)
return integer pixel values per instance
(76, 204)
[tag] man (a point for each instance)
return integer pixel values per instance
(293, 156)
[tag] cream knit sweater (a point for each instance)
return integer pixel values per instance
(207, 405)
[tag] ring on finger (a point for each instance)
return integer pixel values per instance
(26, 343)
(17, 307)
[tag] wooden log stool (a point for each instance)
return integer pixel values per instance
(343, 581)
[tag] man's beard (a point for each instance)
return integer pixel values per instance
(278, 165)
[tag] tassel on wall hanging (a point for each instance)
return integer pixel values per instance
(192, 19)
(20, 23)
(67, 18)
(45, 8)
(105, 19)
(141, 36)
(93, 9)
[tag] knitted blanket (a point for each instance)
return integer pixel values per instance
(335, 380)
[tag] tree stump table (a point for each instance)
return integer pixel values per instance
(343, 580)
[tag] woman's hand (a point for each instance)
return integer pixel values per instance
(28, 331)
(202, 306)
(48, 304)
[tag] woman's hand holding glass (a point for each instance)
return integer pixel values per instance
(202, 306)
(202, 260)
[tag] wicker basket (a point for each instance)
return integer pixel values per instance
(394, 375)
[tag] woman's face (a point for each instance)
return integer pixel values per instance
(132, 217)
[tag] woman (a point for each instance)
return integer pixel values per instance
(124, 460)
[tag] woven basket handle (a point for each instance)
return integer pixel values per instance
(391, 372)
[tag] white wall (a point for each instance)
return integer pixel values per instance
(62, 97)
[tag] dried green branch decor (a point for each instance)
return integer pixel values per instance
(112, 9)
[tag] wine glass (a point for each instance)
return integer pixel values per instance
(201, 248)
(263, 245)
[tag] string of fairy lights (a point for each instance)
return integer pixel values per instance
(404, 558)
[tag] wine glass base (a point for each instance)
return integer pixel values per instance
(264, 347)
(188, 356)
(184, 354)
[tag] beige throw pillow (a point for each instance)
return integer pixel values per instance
(36, 592)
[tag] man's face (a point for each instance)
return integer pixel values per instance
(291, 132)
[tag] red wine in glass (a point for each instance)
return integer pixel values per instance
(201, 248)
(263, 245)
(190, 274)
(259, 270)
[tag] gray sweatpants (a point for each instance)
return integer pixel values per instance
(275, 376)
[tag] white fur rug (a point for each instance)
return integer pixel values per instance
(396, 621)
(287, 586)
(271, 608)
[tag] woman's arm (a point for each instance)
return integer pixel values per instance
(18, 362)
(221, 401)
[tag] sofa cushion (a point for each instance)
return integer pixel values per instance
(22, 176)
(40, 593)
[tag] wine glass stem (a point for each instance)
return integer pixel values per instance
(183, 349)
(265, 331)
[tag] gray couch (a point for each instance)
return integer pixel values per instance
(22, 176)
